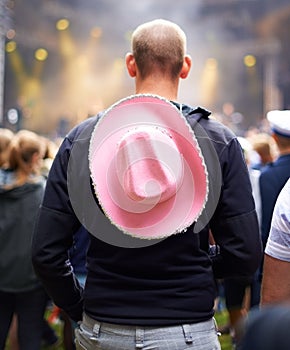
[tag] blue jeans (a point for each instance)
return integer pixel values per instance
(29, 307)
(105, 336)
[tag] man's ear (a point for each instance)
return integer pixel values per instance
(131, 65)
(185, 67)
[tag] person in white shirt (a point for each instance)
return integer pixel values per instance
(276, 284)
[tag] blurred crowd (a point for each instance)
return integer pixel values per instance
(27, 313)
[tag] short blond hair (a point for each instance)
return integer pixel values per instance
(159, 45)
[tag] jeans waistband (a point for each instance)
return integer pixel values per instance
(198, 336)
(193, 327)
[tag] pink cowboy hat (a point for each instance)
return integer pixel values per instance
(147, 169)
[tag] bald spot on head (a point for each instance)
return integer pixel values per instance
(159, 46)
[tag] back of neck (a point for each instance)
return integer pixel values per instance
(163, 88)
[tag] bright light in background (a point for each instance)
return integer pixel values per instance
(41, 54)
(249, 61)
(209, 82)
(12, 116)
(11, 46)
(16, 62)
(62, 24)
(28, 83)
(253, 87)
(211, 63)
(10, 34)
(67, 45)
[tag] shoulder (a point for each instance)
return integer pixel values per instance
(278, 171)
(80, 132)
(84, 127)
(216, 131)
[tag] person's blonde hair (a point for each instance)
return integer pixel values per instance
(23, 146)
(263, 145)
(159, 45)
(6, 136)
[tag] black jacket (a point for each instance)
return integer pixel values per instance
(167, 283)
(18, 210)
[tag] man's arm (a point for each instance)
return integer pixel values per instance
(276, 269)
(234, 225)
(55, 226)
(276, 281)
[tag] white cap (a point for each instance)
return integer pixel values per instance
(280, 122)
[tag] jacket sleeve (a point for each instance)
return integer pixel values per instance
(234, 224)
(53, 237)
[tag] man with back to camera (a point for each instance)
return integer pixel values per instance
(149, 190)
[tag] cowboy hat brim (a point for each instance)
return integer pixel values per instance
(147, 220)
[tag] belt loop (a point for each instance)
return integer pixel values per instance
(187, 333)
(96, 331)
(216, 327)
(139, 338)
